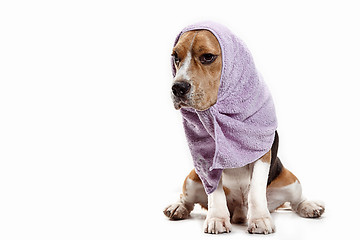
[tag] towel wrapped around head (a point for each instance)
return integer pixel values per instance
(240, 127)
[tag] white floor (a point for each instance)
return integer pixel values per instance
(288, 226)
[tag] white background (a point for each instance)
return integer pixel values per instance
(92, 148)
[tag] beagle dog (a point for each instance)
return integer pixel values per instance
(244, 195)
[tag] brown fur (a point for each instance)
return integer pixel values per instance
(193, 176)
(226, 190)
(266, 158)
(205, 78)
(285, 178)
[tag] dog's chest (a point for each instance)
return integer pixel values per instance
(237, 183)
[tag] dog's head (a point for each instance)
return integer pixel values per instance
(198, 62)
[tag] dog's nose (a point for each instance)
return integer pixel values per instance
(181, 88)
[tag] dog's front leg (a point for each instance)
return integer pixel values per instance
(218, 217)
(259, 217)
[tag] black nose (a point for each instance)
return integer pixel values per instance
(181, 88)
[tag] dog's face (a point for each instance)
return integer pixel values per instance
(198, 62)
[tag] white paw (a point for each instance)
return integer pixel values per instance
(262, 225)
(177, 211)
(310, 209)
(217, 225)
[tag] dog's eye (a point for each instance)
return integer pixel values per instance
(207, 58)
(176, 58)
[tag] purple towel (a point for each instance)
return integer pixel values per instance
(240, 127)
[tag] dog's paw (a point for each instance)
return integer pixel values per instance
(217, 225)
(177, 211)
(310, 209)
(262, 225)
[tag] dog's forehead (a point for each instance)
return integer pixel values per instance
(206, 42)
(198, 41)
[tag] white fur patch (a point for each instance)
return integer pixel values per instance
(183, 72)
(260, 220)
(290, 193)
(257, 193)
(218, 216)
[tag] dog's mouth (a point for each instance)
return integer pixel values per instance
(180, 102)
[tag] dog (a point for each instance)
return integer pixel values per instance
(246, 194)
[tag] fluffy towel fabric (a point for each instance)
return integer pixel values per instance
(240, 127)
